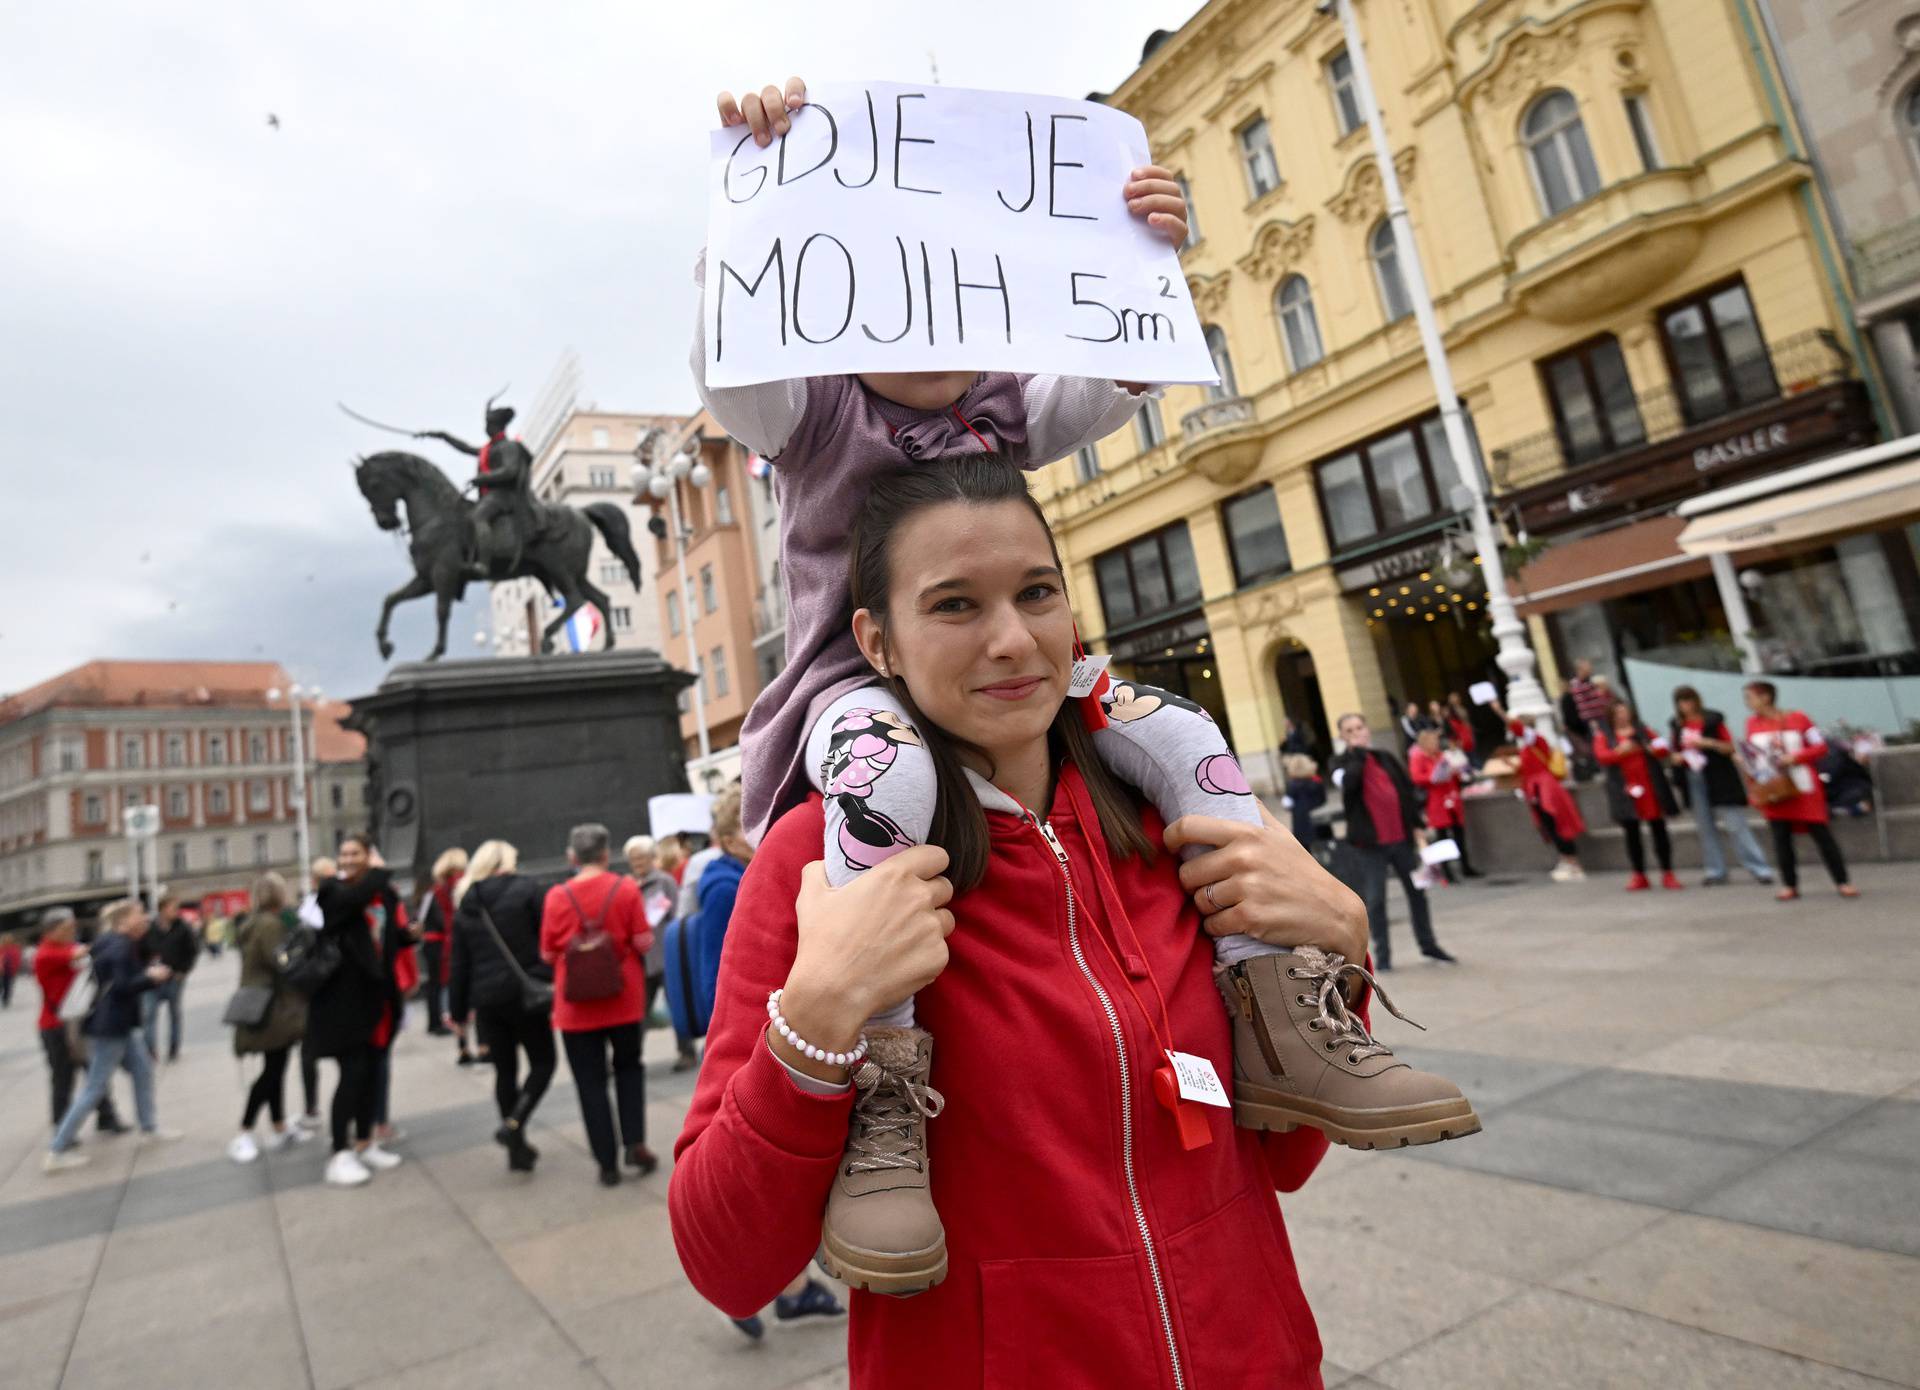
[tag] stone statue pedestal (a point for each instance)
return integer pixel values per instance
(518, 749)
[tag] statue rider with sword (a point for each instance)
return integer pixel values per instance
(504, 482)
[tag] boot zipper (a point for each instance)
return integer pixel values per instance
(1257, 1019)
(1126, 1101)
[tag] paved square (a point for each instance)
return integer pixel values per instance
(1701, 1167)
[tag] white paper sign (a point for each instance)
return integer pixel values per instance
(901, 228)
(675, 813)
(1198, 1080)
(1483, 692)
(1439, 852)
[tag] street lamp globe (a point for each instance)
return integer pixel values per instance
(641, 476)
(701, 475)
(660, 487)
(681, 466)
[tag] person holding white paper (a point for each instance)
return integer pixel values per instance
(827, 723)
(1438, 774)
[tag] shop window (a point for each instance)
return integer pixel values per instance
(1390, 483)
(1717, 356)
(1193, 217)
(1086, 463)
(1149, 430)
(1385, 254)
(1148, 576)
(1593, 405)
(1256, 541)
(1558, 153)
(1222, 363)
(1256, 157)
(1298, 326)
(1640, 119)
(1346, 97)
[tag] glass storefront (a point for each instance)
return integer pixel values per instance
(1176, 656)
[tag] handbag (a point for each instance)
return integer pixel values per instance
(536, 996)
(306, 960)
(593, 958)
(249, 1006)
(1768, 783)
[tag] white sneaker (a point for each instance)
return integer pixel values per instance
(60, 1162)
(160, 1136)
(373, 1156)
(308, 1125)
(345, 1169)
(278, 1139)
(243, 1149)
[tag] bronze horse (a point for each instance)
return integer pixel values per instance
(439, 526)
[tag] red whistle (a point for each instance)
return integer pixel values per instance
(1195, 1132)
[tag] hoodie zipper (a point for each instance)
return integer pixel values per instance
(1126, 1100)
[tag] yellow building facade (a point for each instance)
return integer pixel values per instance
(1613, 224)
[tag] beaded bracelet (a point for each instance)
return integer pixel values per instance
(807, 1049)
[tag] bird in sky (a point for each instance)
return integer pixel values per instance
(273, 121)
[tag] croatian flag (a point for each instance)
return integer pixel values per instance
(583, 628)
(757, 467)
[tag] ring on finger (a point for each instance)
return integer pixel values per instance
(1213, 904)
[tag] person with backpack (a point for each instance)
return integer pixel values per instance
(593, 932)
(261, 937)
(499, 976)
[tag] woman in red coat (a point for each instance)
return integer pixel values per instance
(1097, 1233)
(1556, 815)
(1787, 742)
(1638, 792)
(1437, 774)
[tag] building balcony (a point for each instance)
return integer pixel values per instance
(1789, 399)
(1888, 261)
(1614, 248)
(1222, 440)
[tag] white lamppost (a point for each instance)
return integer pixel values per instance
(661, 484)
(1526, 698)
(301, 846)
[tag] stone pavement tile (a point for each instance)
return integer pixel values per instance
(1860, 1071)
(1645, 1166)
(35, 1336)
(672, 1339)
(1545, 1340)
(593, 1262)
(1373, 1299)
(60, 1214)
(1859, 1012)
(1812, 1298)
(506, 1207)
(185, 1325)
(149, 1249)
(1516, 1230)
(1819, 1191)
(826, 1380)
(1565, 1032)
(1636, 1002)
(60, 1267)
(1773, 1115)
(1489, 1081)
(527, 1356)
(1889, 1130)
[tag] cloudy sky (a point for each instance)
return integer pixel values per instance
(456, 194)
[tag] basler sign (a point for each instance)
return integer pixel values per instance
(903, 228)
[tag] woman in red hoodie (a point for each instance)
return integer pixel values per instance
(1098, 1232)
(1638, 793)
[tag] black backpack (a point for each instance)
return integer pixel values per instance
(306, 960)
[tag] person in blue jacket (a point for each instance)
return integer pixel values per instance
(719, 883)
(121, 981)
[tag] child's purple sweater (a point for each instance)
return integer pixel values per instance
(828, 438)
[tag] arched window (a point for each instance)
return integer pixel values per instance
(1385, 254)
(1557, 150)
(1222, 363)
(1297, 324)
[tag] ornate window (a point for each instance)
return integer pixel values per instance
(1385, 254)
(1149, 431)
(1256, 157)
(1298, 326)
(1557, 151)
(1346, 99)
(1222, 363)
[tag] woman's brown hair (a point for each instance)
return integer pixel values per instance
(959, 824)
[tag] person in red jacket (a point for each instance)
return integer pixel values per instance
(1787, 742)
(1437, 774)
(596, 1025)
(1100, 1229)
(57, 963)
(9, 969)
(1638, 793)
(1556, 815)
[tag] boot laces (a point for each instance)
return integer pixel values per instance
(1331, 972)
(889, 1110)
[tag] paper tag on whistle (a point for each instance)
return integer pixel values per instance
(1086, 675)
(1198, 1080)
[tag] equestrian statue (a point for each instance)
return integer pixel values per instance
(506, 534)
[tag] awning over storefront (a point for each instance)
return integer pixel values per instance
(1852, 491)
(1626, 560)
